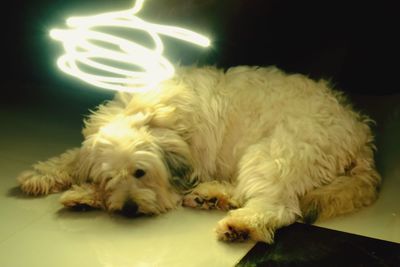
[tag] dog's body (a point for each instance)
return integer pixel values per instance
(273, 147)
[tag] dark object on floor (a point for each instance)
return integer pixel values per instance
(307, 245)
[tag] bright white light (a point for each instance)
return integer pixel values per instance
(80, 50)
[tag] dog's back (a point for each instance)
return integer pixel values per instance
(322, 147)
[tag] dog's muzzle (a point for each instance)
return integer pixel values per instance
(130, 209)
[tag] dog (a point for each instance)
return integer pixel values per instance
(268, 147)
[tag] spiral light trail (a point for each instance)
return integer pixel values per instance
(83, 50)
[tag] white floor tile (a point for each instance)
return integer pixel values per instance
(18, 211)
(179, 238)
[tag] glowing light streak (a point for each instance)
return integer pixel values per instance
(80, 50)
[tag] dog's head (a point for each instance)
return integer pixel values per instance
(138, 169)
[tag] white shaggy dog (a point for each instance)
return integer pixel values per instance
(271, 147)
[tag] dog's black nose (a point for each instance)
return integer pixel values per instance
(130, 209)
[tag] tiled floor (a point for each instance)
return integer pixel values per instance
(39, 232)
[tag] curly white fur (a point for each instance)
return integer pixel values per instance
(271, 146)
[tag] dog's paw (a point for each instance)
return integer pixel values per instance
(229, 230)
(239, 228)
(34, 183)
(310, 209)
(82, 197)
(220, 202)
(210, 195)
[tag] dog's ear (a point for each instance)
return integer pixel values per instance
(181, 171)
(177, 158)
(163, 117)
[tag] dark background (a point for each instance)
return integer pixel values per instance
(352, 44)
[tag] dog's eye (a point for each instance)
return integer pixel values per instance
(139, 173)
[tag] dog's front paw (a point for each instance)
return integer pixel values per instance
(35, 183)
(239, 227)
(221, 202)
(229, 230)
(83, 197)
(211, 195)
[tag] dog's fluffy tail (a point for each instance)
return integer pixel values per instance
(356, 188)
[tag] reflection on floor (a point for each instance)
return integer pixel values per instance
(38, 232)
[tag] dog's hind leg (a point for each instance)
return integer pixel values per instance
(211, 195)
(53, 175)
(350, 191)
